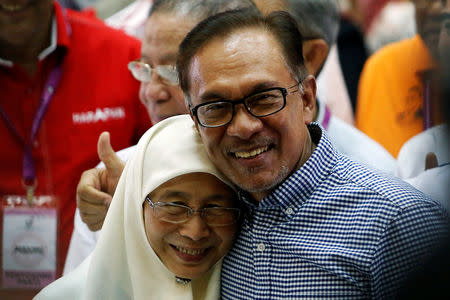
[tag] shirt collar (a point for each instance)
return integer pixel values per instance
(63, 27)
(53, 44)
(298, 187)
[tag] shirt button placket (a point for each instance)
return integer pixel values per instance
(262, 254)
(289, 211)
(261, 247)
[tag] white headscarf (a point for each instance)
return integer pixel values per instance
(123, 265)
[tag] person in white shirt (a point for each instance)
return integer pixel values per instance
(132, 18)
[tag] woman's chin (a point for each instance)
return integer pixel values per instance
(189, 274)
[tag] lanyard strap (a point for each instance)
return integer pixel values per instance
(427, 94)
(28, 170)
(326, 118)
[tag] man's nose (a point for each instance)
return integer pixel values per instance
(243, 125)
(195, 228)
(154, 91)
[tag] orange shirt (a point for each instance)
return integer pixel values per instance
(389, 107)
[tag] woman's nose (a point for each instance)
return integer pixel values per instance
(195, 228)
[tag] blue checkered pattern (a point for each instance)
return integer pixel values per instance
(332, 230)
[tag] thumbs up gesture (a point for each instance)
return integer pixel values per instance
(96, 186)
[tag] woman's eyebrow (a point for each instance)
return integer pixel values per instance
(174, 194)
(219, 198)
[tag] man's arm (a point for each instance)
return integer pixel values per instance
(94, 194)
(82, 244)
(96, 186)
(409, 239)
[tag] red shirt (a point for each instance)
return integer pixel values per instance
(96, 93)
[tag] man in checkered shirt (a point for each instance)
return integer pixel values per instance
(317, 225)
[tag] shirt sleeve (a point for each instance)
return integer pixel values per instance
(408, 240)
(81, 245)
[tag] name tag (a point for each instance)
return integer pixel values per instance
(29, 243)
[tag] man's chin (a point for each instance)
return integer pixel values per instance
(260, 185)
(160, 118)
(157, 118)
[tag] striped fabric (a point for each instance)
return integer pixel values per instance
(332, 230)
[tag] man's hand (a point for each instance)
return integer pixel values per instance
(96, 186)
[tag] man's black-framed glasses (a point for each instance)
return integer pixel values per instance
(177, 213)
(260, 104)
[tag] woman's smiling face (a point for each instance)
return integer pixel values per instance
(189, 249)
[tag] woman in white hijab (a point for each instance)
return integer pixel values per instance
(171, 221)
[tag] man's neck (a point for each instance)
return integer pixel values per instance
(308, 149)
(259, 196)
(27, 54)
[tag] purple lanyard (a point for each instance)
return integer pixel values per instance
(326, 118)
(28, 171)
(427, 110)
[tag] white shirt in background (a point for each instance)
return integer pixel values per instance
(132, 18)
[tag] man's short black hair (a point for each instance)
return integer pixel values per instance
(280, 24)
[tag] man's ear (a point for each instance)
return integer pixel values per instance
(309, 98)
(315, 53)
(194, 119)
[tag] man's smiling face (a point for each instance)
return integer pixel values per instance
(255, 153)
(163, 34)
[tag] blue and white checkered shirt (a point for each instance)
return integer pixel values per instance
(333, 229)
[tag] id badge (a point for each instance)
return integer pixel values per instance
(29, 242)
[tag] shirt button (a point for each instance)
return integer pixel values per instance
(289, 211)
(261, 247)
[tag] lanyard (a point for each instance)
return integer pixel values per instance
(28, 171)
(427, 110)
(326, 118)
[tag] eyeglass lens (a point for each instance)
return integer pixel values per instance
(143, 72)
(173, 213)
(259, 105)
